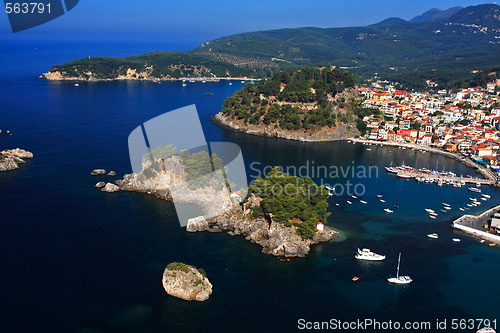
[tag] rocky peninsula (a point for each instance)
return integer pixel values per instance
(10, 159)
(279, 233)
(186, 282)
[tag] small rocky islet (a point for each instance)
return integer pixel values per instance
(186, 282)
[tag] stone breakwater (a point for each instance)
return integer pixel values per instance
(10, 159)
(345, 131)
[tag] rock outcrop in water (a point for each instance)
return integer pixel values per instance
(10, 159)
(170, 182)
(186, 282)
(110, 188)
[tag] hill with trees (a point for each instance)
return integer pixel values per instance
(308, 104)
(290, 200)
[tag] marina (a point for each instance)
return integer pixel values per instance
(438, 177)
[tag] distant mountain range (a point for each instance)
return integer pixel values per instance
(453, 39)
(436, 14)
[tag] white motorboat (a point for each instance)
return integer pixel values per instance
(433, 235)
(432, 216)
(447, 207)
(428, 210)
(486, 196)
(456, 240)
(475, 189)
(445, 204)
(350, 203)
(382, 200)
(486, 329)
(400, 279)
(387, 210)
(366, 254)
(363, 202)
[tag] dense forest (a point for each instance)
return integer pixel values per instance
(291, 200)
(296, 99)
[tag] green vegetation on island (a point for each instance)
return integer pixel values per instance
(179, 266)
(299, 100)
(153, 65)
(291, 200)
(199, 167)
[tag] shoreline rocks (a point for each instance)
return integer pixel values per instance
(344, 132)
(186, 282)
(110, 188)
(98, 172)
(10, 159)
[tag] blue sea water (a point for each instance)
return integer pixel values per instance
(76, 260)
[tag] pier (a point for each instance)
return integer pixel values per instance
(474, 225)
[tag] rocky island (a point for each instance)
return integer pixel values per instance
(10, 159)
(308, 104)
(285, 223)
(153, 66)
(186, 282)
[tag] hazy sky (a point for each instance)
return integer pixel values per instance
(196, 21)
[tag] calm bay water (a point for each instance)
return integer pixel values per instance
(76, 260)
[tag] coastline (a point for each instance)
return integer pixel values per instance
(222, 121)
(340, 133)
(471, 225)
(57, 76)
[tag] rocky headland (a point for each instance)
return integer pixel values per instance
(10, 159)
(221, 211)
(186, 282)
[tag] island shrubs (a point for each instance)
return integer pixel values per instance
(291, 200)
(179, 266)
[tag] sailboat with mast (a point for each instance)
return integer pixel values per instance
(400, 279)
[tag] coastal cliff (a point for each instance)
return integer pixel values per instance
(344, 131)
(186, 282)
(10, 159)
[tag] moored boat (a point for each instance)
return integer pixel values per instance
(366, 254)
(433, 235)
(400, 279)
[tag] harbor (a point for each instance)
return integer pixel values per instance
(479, 225)
(438, 177)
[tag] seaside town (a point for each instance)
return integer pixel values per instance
(466, 121)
